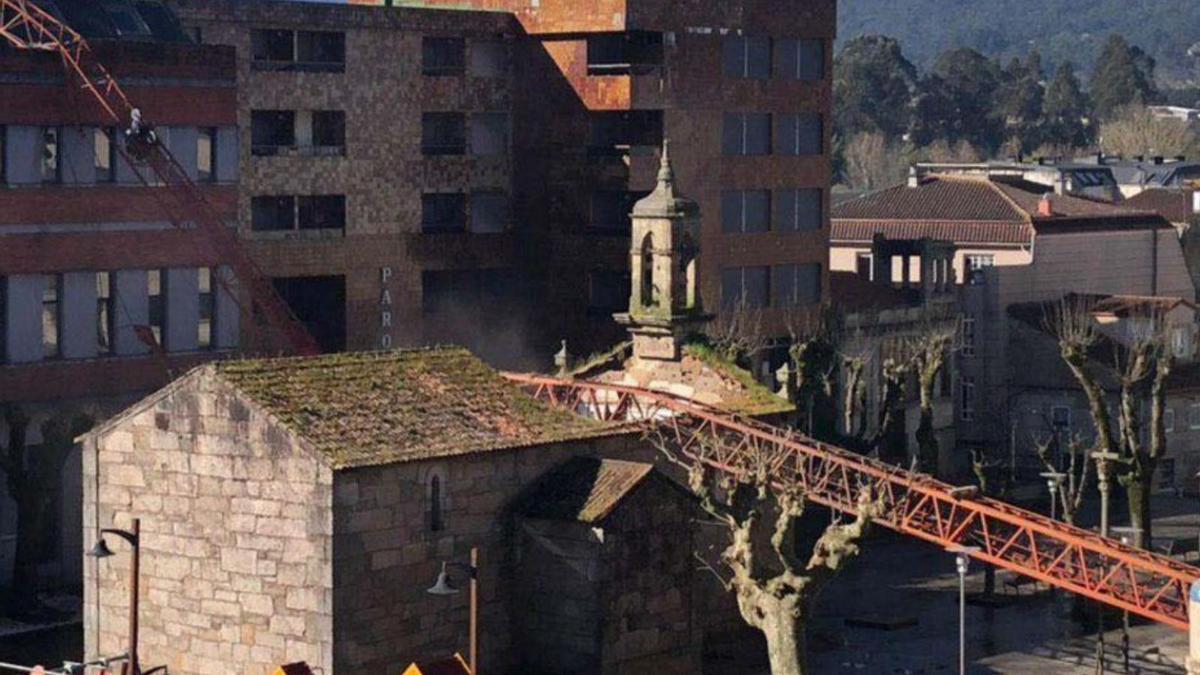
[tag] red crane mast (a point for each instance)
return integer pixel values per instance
(25, 25)
(1028, 543)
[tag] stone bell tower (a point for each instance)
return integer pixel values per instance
(664, 306)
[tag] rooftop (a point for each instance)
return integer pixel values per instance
(977, 209)
(372, 408)
(1174, 205)
(584, 489)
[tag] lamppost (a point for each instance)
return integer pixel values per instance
(1128, 536)
(101, 550)
(1053, 480)
(962, 561)
(443, 587)
(1104, 462)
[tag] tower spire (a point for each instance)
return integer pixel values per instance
(666, 173)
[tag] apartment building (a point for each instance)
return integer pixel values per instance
(481, 192)
(376, 168)
(101, 297)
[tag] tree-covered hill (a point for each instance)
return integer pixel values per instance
(1060, 29)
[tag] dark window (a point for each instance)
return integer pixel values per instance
(801, 134)
(329, 128)
(52, 316)
(967, 389)
(443, 56)
(51, 160)
(323, 50)
(206, 328)
(801, 59)
(321, 212)
(745, 211)
(616, 132)
(443, 212)
(746, 134)
(611, 210)
(106, 154)
(125, 18)
(624, 53)
(489, 212)
(104, 313)
(745, 287)
(795, 285)
(489, 134)
(489, 59)
(272, 213)
(320, 304)
(608, 291)
(747, 57)
(1060, 417)
(863, 262)
(436, 523)
(798, 210)
(443, 133)
(467, 292)
(206, 155)
(271, 130)
(273, 45)
(968, 337)
(156, 290)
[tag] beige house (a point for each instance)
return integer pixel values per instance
(993, 221)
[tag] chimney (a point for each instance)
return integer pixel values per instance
(1045, 206)
(914, 177)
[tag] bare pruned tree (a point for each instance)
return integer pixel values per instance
(737, 332)
(930, 349)
(1074, 484)
(1141, 361)
(774, 584)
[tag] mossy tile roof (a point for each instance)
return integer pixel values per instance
(376, 408)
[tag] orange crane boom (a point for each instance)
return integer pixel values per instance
(1028, 543)
(25, 25)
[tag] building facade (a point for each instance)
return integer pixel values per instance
(101, 296)
(298, 509)
(538, 129)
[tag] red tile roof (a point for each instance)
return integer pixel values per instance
(1174, 205)
(977, 210)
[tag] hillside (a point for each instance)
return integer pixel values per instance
(1061, 29)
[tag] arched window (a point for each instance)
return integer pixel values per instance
(436, 522)
(648, 294)
(687, 272)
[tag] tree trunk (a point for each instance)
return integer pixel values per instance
(786, 645)
(989, 580)
(1138, 489)
(927, 444)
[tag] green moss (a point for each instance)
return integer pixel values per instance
(381, 407)
(758, 399)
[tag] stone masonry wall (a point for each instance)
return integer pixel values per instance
(236, 537)
(385, 554)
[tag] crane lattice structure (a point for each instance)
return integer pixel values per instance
(1028, 543)
(26, 25)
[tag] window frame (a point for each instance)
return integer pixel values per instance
(435, 122)
(455, 66)
(743, 201)
(970, 336)
(967, 393)
(781, 197)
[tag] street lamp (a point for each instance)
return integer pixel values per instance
(1128, 536)
(442, 587)
(1104, 462)
(1053, 480)
(962, 561)
(101, 550)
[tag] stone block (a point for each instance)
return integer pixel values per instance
(239, 561)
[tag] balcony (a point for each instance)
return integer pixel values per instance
(631, 53)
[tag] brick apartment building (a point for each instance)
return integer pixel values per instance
(427, 175)
(86, 254)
